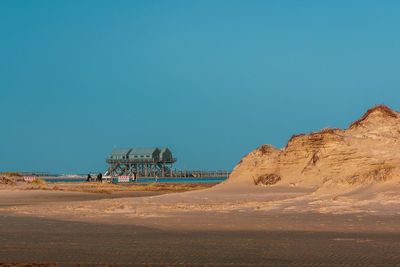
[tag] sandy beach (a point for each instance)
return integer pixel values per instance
(199, 133)
(210, 227)
(328, 198)
(28, 239)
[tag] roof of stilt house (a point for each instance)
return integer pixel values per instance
(142, 155)
(120, 153)
(145, 151)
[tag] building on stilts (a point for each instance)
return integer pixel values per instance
(140, 162)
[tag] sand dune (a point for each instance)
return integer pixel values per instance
(332, 171)
(367, 152)
(351, 170)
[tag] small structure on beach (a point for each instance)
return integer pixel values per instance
(142, 162)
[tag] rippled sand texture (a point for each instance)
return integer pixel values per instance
(328, 198)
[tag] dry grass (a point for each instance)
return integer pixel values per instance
(267, 179)
(7, 181)
(28, 264)
(172, 186)
(293, 137)
(327, 130)
(382, 108)
(38, 182)
(315, 135)
(266, 149)
(11, 174)
(386, 111)
(113, 188)
(380, 173)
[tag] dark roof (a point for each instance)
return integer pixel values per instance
(120, 151)
(143, 151)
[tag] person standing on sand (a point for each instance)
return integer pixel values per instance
(99, 177)
(88, 177)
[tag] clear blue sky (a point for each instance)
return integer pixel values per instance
(212, 80)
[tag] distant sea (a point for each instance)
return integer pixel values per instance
(147, 180)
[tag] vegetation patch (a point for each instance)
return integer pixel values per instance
(38, 182)
(265, 149)
(380, 173)
(327, 130)
(386, 111)
(6, 181)
(267, 179)
(105, 188)
(293, 138)
(10, 174)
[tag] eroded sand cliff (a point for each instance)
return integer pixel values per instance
(334, 171)
(367, 152)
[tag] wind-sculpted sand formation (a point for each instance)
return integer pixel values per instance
(328, 198)
(336, 171)
(367, 152)
(351, 170)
